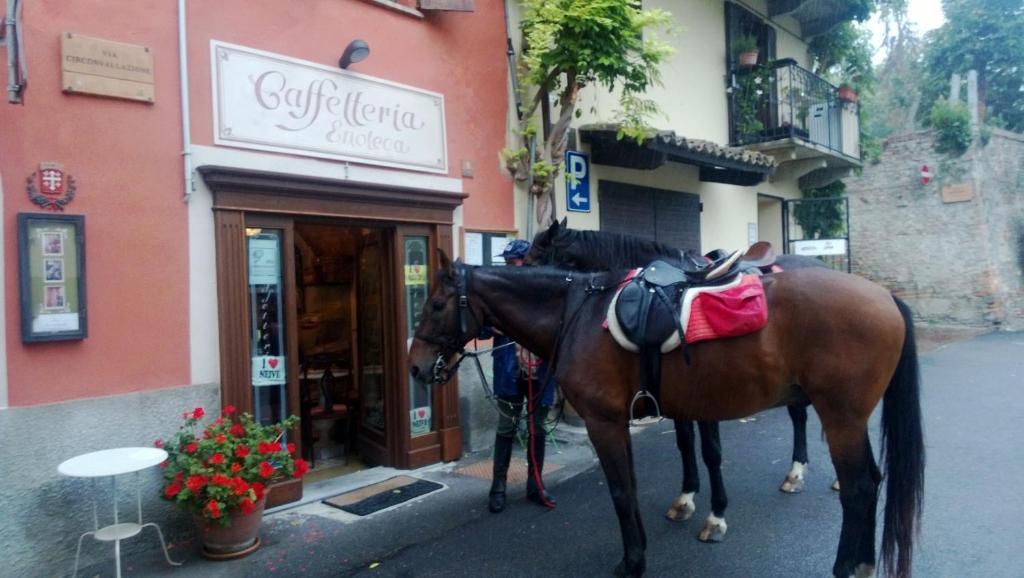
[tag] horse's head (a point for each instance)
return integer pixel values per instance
(548, 247)
(448, 322)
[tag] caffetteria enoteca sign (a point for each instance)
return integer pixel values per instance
(269, 102)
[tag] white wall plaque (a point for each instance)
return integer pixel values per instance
(269, 102)
(814, 247)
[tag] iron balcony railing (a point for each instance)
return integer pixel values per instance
(782, 101)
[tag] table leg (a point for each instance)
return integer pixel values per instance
(163, 544)
(117, 558)
(78, 552)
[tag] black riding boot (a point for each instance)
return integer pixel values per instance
(502, 456)
(535, 491)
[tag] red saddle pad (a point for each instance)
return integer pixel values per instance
(737, 311)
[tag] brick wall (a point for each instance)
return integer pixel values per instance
(955, 262)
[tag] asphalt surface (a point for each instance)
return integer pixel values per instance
(973, 403)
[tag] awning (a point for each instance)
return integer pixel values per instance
(717, 163)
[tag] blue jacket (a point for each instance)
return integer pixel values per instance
(506, 371)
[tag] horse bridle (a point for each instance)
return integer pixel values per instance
(449, 346)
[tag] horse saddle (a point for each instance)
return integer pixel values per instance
(648, 310)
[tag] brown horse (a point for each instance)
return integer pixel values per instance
(834, 339)
(592, 251)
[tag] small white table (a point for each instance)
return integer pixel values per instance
(112, 463)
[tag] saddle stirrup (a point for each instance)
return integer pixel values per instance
(657, 417)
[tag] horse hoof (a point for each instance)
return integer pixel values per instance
(621, 572)
(682, 508)
(863, 570)
(714, 529)
(794, 482)
(835, 485)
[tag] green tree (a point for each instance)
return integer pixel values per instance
(983, 35)
(570, 44)
(820, 218)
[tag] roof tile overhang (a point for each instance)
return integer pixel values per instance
(717, 163)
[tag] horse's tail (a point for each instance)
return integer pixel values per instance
(903, 454)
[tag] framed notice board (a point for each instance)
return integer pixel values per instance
(51, 259)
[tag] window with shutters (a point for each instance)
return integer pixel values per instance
(669, 217)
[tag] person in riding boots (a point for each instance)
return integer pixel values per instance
(514, 368)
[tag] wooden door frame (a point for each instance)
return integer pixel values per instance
(245, 196)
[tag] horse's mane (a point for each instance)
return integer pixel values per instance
(602, 250)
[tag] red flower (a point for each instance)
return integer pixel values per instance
(237, 430)
(213, 508)
(229, 410)
(221, 439)
(247, 506)
(172, 490)
(198, 413)
(178, 477)
(184, 415)
(239, 485)
(218, 421)
(191, 448)
(158, 444)
(266, 470)
(291, 448)
(220, 480)
(235, 468)
(217, 459)
(257, 488)
(241, 451)
(301, 467)
(196, 483)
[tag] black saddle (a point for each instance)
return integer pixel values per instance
(649, 306)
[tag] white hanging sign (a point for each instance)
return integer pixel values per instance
(268, 370)
(270, 102)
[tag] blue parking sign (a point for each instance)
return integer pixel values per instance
(577, 182)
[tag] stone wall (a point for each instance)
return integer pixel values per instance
(955, 262)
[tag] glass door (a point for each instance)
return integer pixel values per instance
(415, 266)
(370, 356)
(266, 320)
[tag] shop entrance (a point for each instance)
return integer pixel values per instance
(320, 285)
(340, 312)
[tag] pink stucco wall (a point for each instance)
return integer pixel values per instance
(126, 159)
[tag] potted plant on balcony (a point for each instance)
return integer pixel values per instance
(220, 474)
(746, 50)
(847, 93)
(748, 103)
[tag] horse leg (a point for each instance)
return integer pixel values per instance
(683, 507)
(636, 499)
(794, 482)
(859, 479)
(711, 450)
(611, 441)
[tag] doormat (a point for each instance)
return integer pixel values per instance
(517, 473)
(382, 495)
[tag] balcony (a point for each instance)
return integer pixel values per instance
(796, 117)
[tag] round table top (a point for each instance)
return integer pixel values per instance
(112, 462)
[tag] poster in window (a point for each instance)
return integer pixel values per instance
(51, 259)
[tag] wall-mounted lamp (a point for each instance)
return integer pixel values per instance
(356, 51)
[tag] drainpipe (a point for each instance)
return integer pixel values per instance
(186, 133)
(11, 42)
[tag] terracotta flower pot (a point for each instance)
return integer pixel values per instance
(847, 94)
(239, 538)
(747, 59)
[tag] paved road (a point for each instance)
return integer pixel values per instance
(973, 399)
(974, 513)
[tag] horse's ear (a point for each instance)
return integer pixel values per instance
(446, 262)
(565, 222)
